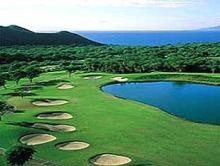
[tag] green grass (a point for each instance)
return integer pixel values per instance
(141, 132)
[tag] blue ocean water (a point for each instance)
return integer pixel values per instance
(151, 38)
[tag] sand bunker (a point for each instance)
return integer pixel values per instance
(35, 162)
(72, 145)
(120, 79)
(57, 128)
(36, 139)
(110, 160)
(65, 86)
(27, 91)
(49, 102)
(55, 116)
(92, 77)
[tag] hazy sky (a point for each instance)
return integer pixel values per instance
(54, 15)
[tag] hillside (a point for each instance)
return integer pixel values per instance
(15, 35)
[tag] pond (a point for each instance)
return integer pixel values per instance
(194, 102)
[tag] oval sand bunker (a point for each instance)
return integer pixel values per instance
(56, 128)
(120, 79)
(110, 160)
(72, 145)
(55, 116)
(49, 102)
(36, 139)
(65, 86)
(92, 77)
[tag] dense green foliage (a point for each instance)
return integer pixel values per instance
(19, 155)
(178, 77)
(118, 59)
(14, 35)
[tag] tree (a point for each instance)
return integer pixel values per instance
(71, 68)
(17, 75)
(24, 91)
(176, 62)
(32, 72)
(19, 155)
(5, 108)
(3, 78)
(213, 65)
(2, 82)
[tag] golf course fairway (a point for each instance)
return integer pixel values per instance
(142, 133)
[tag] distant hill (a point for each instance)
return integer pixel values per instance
(216, 28)
(15, 35)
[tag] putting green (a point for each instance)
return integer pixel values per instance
(145, 134)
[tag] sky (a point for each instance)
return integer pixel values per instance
(110, 15)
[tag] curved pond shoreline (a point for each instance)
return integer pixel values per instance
(194, 113)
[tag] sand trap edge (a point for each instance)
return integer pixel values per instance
(49, 102)
(24, 139)
(58, 117)
(84, 145)
(120, 79)
(65, 86)
(54, 127)
(93, 160)
(92, 77)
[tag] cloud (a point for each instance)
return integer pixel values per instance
(99, 14)
(113, 3)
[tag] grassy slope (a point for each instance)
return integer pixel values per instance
(142, 132)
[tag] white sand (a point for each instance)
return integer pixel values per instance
(75, 145)
(49, 102)
(120, 79)
(29, 91)
(110, 160)
(57, 128)
(65, 86)
(36, 139)
(92, 77)
(55, 116)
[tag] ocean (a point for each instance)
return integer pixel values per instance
(151, 38)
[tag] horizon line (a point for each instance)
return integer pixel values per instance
(113, 30)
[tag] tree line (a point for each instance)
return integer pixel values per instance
(114, 59)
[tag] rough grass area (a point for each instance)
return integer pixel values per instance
(110, 125)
